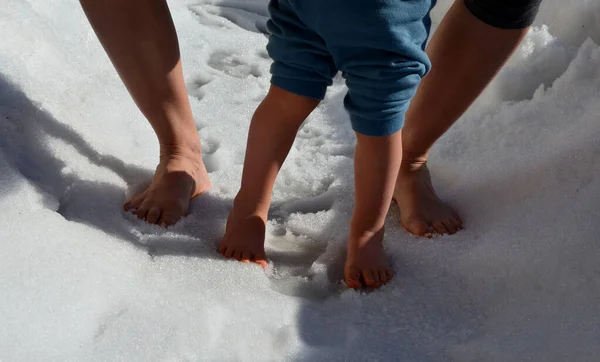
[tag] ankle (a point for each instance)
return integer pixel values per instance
(414, 154)
(360, 227)
(413, 162)
(181, 148)
(244, 205)
(363, 238)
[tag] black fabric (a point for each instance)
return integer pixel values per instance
(505, 14)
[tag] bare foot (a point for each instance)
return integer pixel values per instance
(179, 177)
(244, 238)
(421, 211)
(366, 262)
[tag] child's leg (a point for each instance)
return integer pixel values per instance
(376, 163)
(379, 46)
(270, 138)
(302, 69)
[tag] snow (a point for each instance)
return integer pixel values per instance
(82, 281)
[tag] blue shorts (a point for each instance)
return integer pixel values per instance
(377, 44)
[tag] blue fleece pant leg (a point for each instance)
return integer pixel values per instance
(301, 61)
(377, 44)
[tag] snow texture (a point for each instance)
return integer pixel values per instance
(80, 280)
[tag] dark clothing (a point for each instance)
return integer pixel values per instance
(505, 14)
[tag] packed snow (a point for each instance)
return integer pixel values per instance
(80, 280)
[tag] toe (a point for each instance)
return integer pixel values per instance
(456, 218)
(369, 278)
(237, 255)
(133, 203)
(260, 259)
(418, 227)
(449, 226)
(352, 277)
(375, 274)
(153, 215)
(382, 277)
(439, 227)
(457, 222)
(246, 257)
(168, 219)
(228, 252)
(388, 274)
(141, 212)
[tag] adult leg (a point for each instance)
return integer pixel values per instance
(466, 54)
(140, 39)
(376, 163)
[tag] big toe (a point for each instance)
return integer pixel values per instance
(352, 277)
(134, 203)
(418, 227)
(262, 262)
(260, 258)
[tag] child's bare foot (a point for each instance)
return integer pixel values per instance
(366, 262)
(421, 211)
(244, 238)
(180, 176)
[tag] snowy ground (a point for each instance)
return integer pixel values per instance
(80, 280)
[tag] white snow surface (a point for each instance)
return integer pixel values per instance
(80, 280)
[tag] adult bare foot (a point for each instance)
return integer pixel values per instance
(180, 176)
(422, 212)
(366, 262)
(244, 238)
